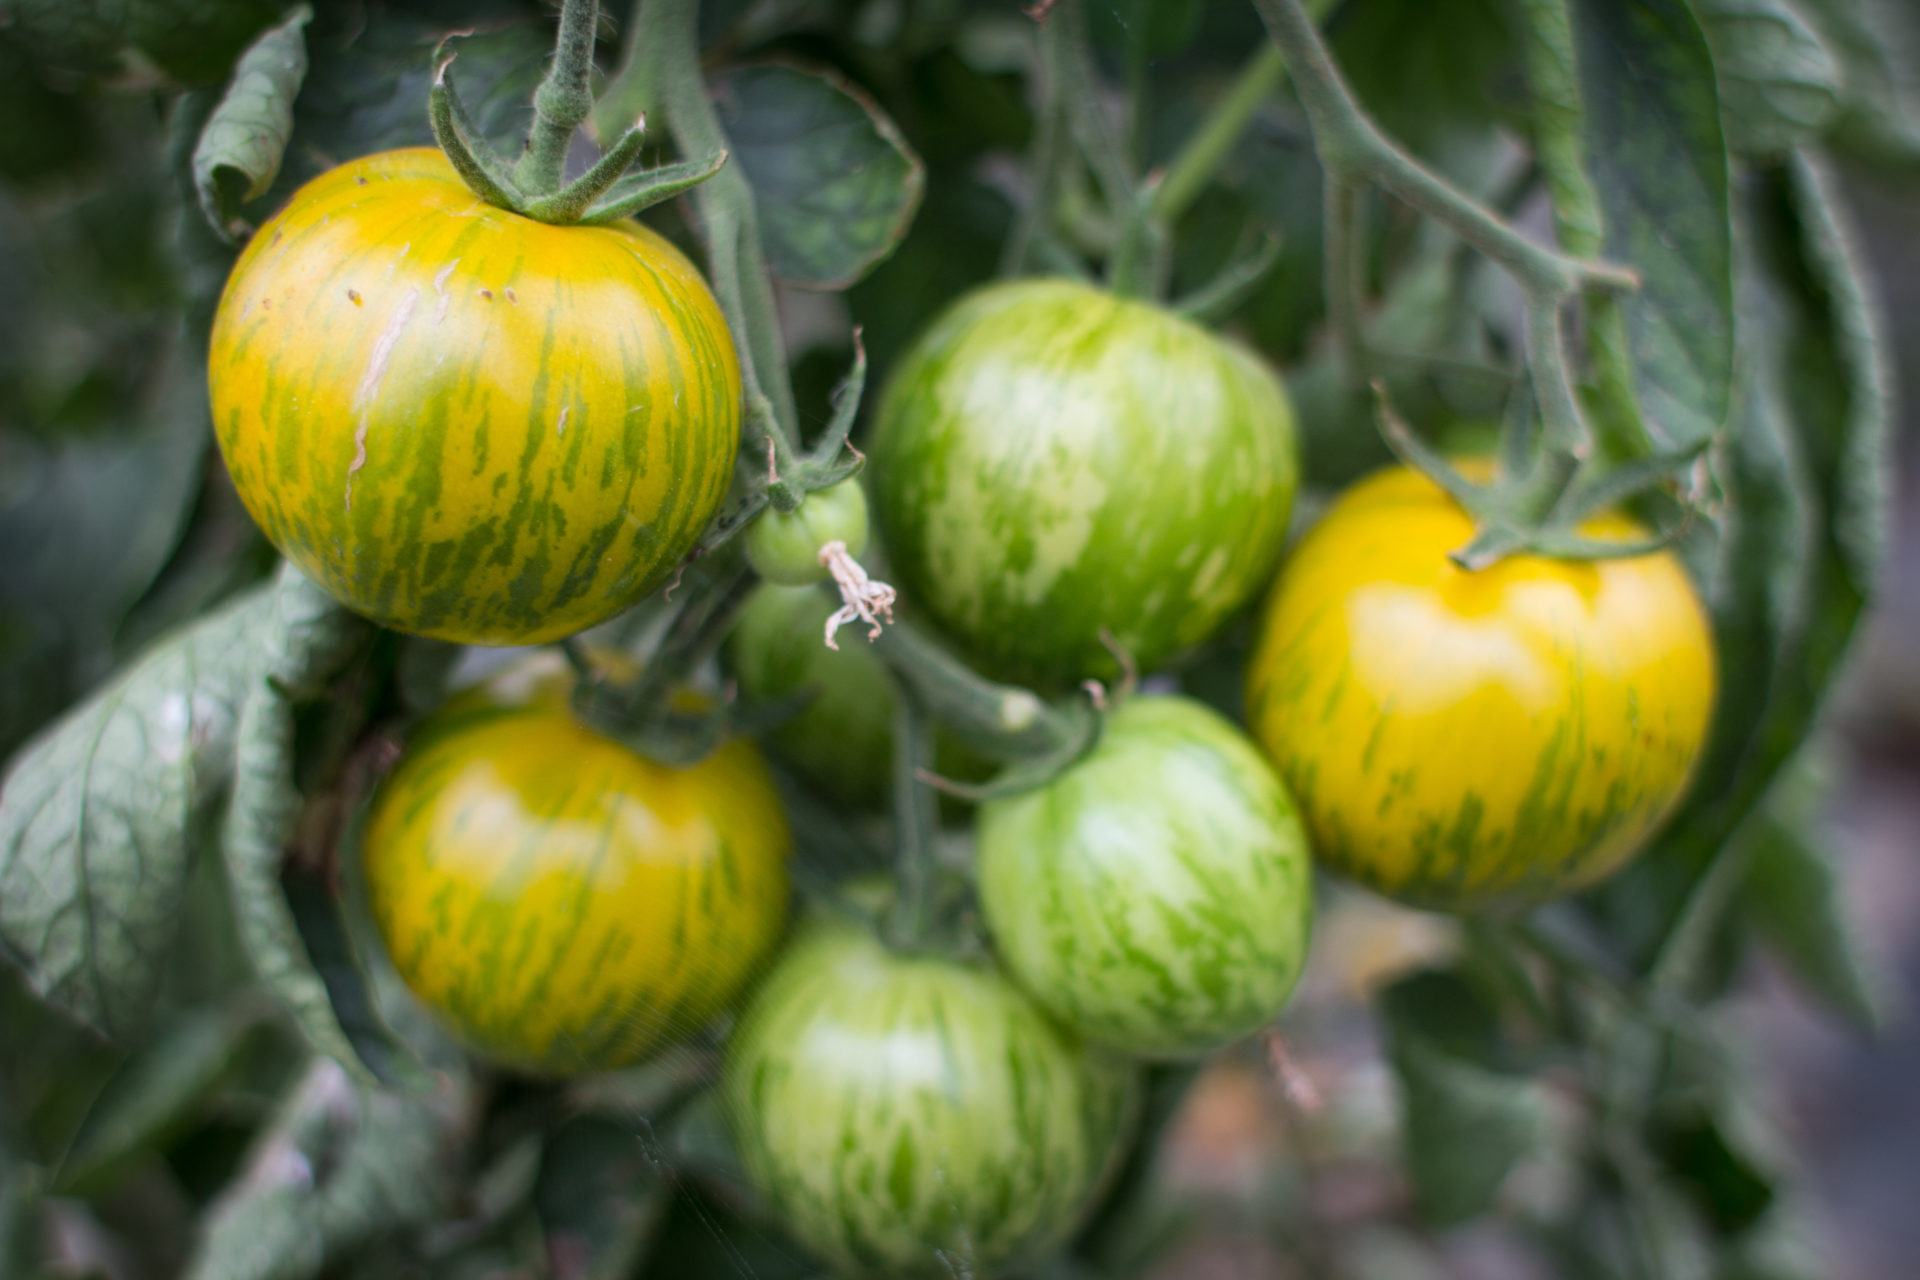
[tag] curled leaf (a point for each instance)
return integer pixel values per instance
(238, 155)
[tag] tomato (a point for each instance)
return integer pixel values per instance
(1051, 460)
(917, 1116)
(462, 422)
(1157, 896)
(784, 546)
(842, 741)
(562, 903)
(1462, 740)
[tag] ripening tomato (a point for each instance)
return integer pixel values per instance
(1052, 461)
(916, 1116)
(1461, 740)
(562, 903)
(465, 423)
(1155, 897)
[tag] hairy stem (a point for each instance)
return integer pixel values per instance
(666, 69)
(916, 820)
(1004, 718)
(1352, 147)
(1560, 145)
(1049, 128)
(1207, 148)
(1345, 275)
(562, 103)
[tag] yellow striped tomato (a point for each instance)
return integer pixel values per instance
(465, 423)
(1460, 740)
(564, 904)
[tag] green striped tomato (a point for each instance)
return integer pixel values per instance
(1463, 740)
(1157, 896)
(563, 904)
(911, 1116)
(1051, 460)
(462, 422)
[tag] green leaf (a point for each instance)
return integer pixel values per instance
(101, 816)
(1792, 563)
(154, 1095)
(288, 926)
(1792, 897)
(1779, 83)
(1877, 43)
(1659, 161)
(340, 1165)
(238, 155)
(1468, 1120)
(835, 183)
(601, 1200)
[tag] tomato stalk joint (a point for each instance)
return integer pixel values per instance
(534, 187)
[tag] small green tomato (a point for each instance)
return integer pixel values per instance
(784, 546)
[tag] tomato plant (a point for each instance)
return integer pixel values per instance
(1156, 896)
(1461, 739)
(465, 423)
(1053, 462)
(913, 1116)
(336, 941)
(564, 904)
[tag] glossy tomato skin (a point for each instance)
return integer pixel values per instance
(1157, 896)
(464, 423)
(914, 1116)
(562, 903)
(1051, 460)
(1463, 740)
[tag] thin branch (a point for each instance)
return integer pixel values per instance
(916, 819)
(1352, 147)
(1049, 128)
(1345, 279)
(1207, 148)
(667, 69)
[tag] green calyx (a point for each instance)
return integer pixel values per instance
(1538, 499)
(534, 187)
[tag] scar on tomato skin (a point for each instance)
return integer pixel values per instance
(512, 296)
(360, 178)
(440, 289)
(376, 370)
(487, 294)
(561, 428)
(354, 295)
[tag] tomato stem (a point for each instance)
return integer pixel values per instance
(1043, 161)
(1005, 720)
(916, 818)
(666, 69)
(562, 103)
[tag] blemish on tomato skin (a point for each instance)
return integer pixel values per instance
(360, 178)
(354, 295)
(487, 294)
(512, 296)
